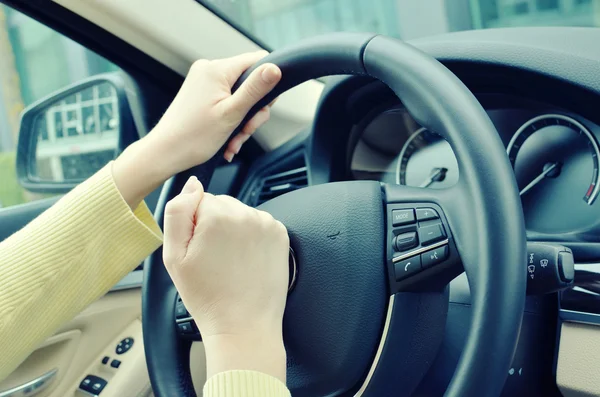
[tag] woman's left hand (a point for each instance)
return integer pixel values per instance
(197, 123)
(205, 112)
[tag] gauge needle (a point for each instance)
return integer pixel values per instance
(437, 175)
(547, 170)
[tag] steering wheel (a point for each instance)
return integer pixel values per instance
(365, 318)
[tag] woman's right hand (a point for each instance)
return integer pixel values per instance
(229, 263)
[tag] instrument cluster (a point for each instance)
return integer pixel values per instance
(554, 155)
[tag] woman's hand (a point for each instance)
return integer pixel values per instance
(204, 112)
(197, 123)
(229, 263)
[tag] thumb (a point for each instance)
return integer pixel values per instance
(260, 82)
(180, 220)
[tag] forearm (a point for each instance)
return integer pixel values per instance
(66, 258)
(141, 168)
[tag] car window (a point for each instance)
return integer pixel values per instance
(277, 23)
(36, 61)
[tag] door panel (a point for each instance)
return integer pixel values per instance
(12, 219)
(77, 350)
(53, 357)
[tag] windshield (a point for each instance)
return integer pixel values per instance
(276, 23)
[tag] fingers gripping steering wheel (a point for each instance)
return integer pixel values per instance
(350, 327)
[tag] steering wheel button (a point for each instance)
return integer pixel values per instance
(406, 241)
(181, 311)
(403, 217)
(431, 234)
(425, 214)
(407, 267)
(186, 328)
(434, 256)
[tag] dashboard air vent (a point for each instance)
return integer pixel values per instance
(279, 181)
(284, 182)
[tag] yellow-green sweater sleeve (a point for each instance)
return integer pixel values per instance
(66, 258)
(244, 384)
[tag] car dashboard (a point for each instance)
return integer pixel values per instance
(554, 153)
(541, 90)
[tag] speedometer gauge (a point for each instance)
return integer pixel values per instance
(426, 160)
(555, 159)
(549, 164)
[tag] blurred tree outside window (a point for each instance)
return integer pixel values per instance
(35, 61)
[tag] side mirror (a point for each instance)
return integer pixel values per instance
(69, 135)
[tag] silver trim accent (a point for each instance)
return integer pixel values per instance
(131, 280)
(183, 320)
(588, 267)
(286, 173)
(576, 316)
(579, 317)
(386, 329)
(403, 151)
(577, 124)
(45, 380)
(585, 291)
(419, 251)
(295, 270)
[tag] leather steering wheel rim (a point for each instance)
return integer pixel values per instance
(486, 214)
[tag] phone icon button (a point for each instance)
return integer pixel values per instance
(407, 267)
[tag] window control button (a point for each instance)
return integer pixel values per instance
(105, 360)
(434, 256)
(115, 363)
(425, 214)
(93, 384)
(124, 346)
(407, 267)
(403, 217)
(431, 234)
(406, 241)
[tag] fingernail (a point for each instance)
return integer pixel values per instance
(243, 139)
(190, 186)
(228, 156)
(271, 74)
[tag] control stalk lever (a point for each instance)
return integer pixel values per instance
(550, 268)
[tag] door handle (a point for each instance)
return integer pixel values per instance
(32, 387)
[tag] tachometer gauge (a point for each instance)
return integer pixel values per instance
(426, 160)
(555, 159)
